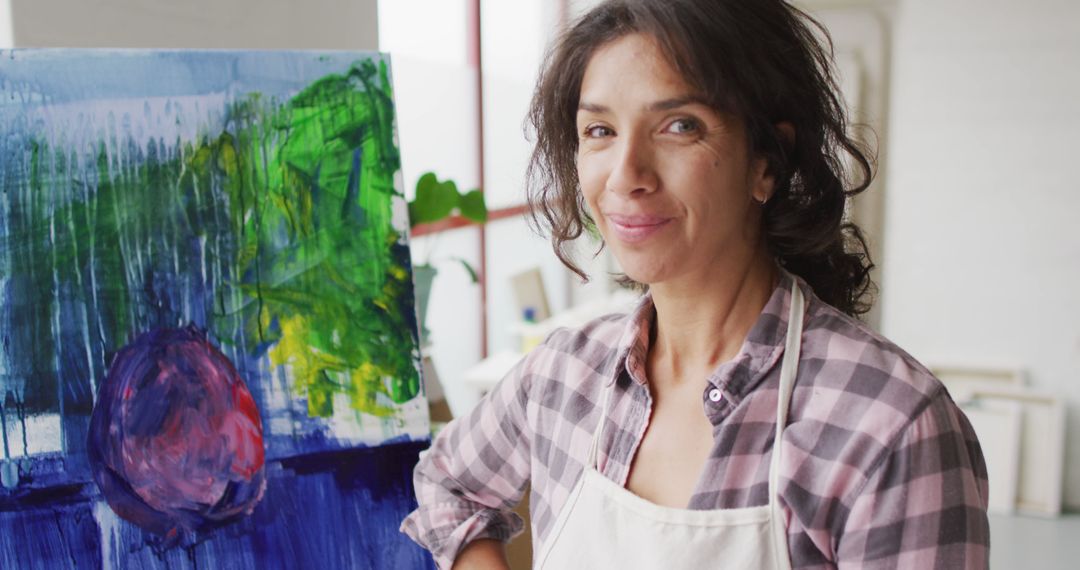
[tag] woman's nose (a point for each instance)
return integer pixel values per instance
(633, 170)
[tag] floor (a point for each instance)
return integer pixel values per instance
(1031, 543)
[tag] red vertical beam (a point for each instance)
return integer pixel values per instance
(476, 62)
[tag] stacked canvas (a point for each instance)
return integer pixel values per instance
(1022, 432)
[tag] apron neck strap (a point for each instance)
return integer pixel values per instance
(598, 433)
(788, 371)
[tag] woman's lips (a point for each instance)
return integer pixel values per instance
(636, 228)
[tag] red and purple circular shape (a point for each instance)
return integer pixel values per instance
(175, 440)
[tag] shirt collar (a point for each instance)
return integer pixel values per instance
(759, 353)
(634, 341)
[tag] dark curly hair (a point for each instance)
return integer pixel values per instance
(759, 60)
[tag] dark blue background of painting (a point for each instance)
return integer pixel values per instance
(339, 509)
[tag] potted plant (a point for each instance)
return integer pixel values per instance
(436, 201)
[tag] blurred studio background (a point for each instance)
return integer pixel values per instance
(975, 107)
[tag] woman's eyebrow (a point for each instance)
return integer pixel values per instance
(662, 105)
(592, 107)
(675, 103)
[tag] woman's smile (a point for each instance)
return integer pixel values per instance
(636, 228)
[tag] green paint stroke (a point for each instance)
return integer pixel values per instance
(324, 278)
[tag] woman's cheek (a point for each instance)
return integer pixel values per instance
(591, 181)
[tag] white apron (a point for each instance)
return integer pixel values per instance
(603, 525)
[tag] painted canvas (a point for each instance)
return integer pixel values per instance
(209, 350)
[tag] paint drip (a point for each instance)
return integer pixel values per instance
(175, 440)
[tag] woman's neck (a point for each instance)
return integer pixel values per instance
(703, 322)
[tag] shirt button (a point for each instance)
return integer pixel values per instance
(716, 395)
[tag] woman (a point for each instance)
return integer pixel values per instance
(740, 417)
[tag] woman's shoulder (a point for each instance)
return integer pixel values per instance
(880, 388)
(833, 337)
(861, 399)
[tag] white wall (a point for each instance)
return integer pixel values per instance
(982, 232)
(6, 39)
(515, 36)
(435, 97)
(435, 91)
(436, 107)
(436, 114)
(859, 30)
(577, 8)
(232, 24)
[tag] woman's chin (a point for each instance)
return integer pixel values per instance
(644, 272)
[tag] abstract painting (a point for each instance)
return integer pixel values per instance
(208, 341)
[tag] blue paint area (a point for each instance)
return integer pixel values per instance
(331, 510)
(62, 534)
(76, 75)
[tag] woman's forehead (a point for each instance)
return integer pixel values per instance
(633, 67)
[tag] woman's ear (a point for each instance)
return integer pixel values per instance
(766, 175)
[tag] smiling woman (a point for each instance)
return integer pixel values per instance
(780, 93)
(741, 416)
(669, 180)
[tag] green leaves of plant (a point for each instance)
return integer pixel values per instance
(469, 269)
(434, 200)
(437, 200)
(472, 206)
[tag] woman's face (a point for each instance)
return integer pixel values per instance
(669, 181)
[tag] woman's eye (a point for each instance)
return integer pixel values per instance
(683, 126)
(597, 131)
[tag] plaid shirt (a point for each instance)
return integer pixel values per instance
(880, 468)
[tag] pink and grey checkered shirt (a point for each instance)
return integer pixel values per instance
(880, 468)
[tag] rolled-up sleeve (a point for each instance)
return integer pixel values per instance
(475, 471)
(924, 504)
